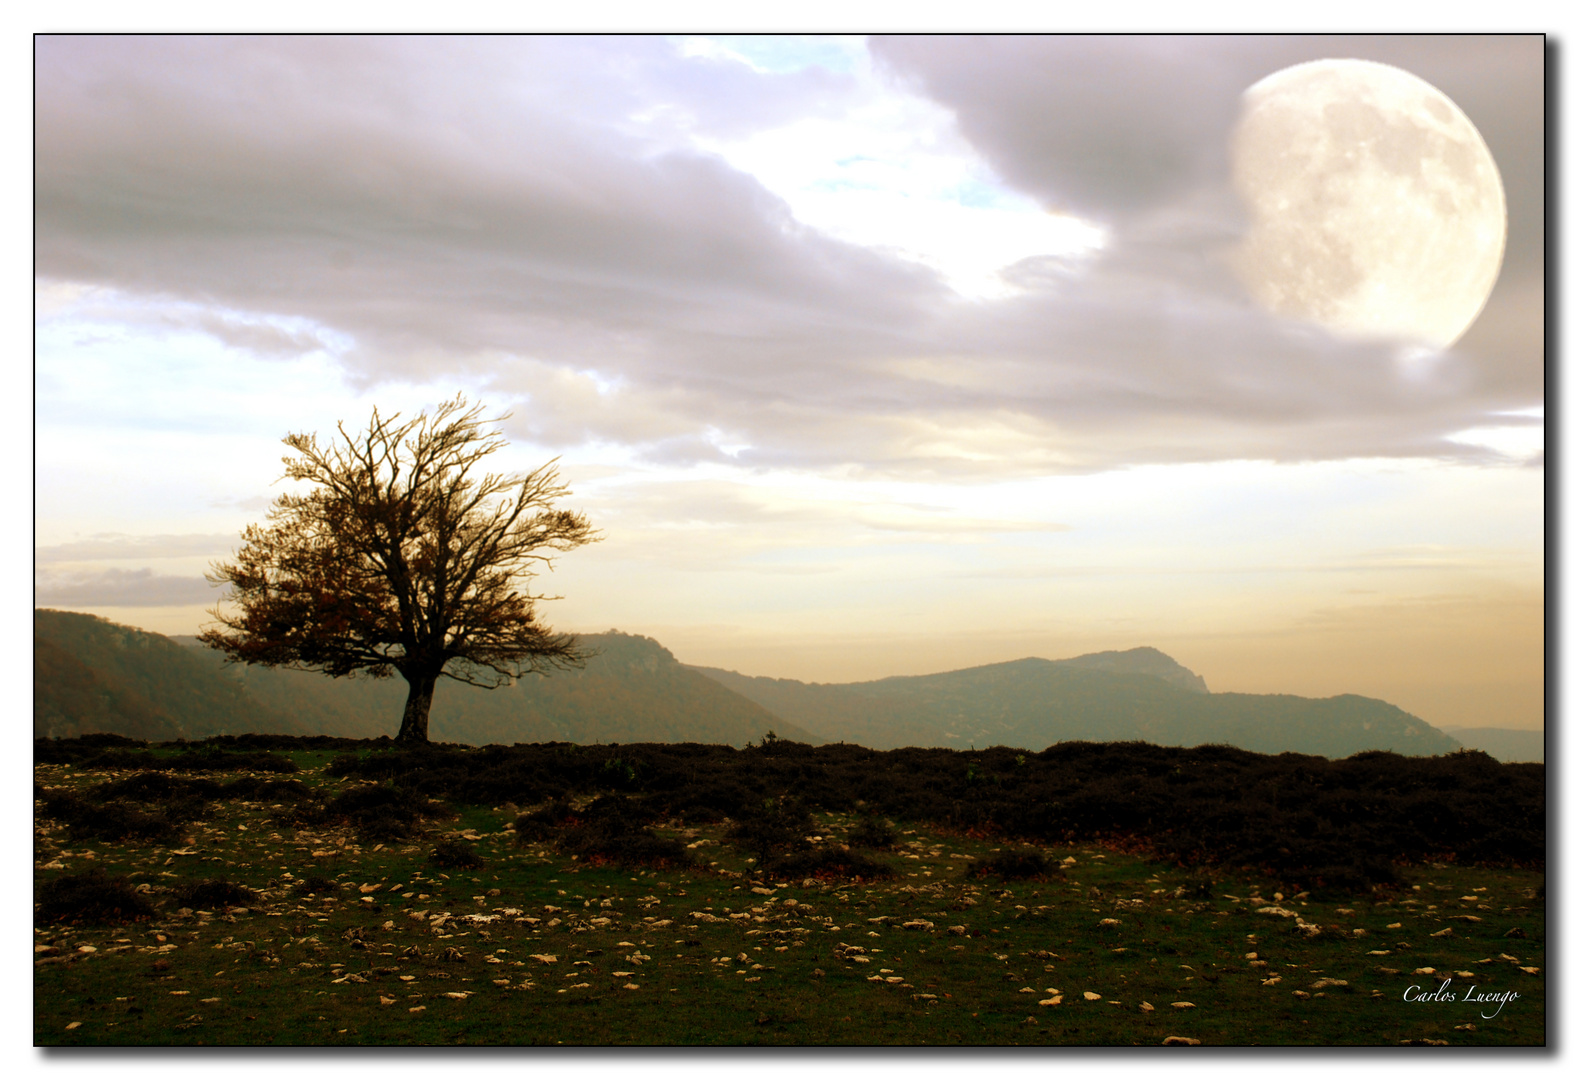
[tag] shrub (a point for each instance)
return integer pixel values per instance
(450, 854)
(827, 864)
(1025, 865)
(543, 823)
(381, 812)
(90, 897)
(116, 819)
(214, 893)
(614, 830)
(210, 758)
(314, 884)
(774, 829)
(873, 833)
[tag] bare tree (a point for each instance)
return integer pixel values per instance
(400, 558)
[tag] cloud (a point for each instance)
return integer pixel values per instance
(122, 588)
(537, 216)
(123, 546)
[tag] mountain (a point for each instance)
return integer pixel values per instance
(90, 674)
(94, 675)
(1504, 744)
(631, 690)
(1139, 694)
(1142, 661)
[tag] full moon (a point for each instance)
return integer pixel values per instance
(1375, 208)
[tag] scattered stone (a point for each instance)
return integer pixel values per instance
(1056, 999)
(1180, 1040)
(1446, 931)
(73, 1025)
(1089, 996)
(1146, 1006)
(1184, 1004)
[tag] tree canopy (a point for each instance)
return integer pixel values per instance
(402, 556)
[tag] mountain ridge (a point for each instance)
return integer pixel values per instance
(1134, 694)
(94, 675)
(91, 674)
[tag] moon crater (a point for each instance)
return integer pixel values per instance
(1375, 207)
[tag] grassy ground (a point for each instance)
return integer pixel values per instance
(537, 948)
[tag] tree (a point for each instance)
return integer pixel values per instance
(400, 558)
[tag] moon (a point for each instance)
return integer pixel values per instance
(1376, 209)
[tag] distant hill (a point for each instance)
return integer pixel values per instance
(90, 674)
(94, 675)
(1504, 744)
(1139, 694)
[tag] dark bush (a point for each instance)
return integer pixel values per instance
(873, 833)
(314, 884)
(79, 748)
(543, 823)
(116, 819)
(1026, 865)
(381, 812)
(1301, 818)
(261, 790)
(157, 787)
(90, 897)
(450, 854)
(214, 893)
(209, 758)
(774, 829)
(832, 863)
(614, 830)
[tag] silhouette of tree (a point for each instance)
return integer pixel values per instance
(401, 558)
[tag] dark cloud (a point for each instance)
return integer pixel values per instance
(528, 213)
(1115, 126)
(122, 588)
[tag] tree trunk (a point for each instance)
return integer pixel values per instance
(414, 724)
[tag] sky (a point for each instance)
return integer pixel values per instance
(869, 356)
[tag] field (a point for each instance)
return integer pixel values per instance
(279, 913)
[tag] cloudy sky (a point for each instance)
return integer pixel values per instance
(870, 356)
